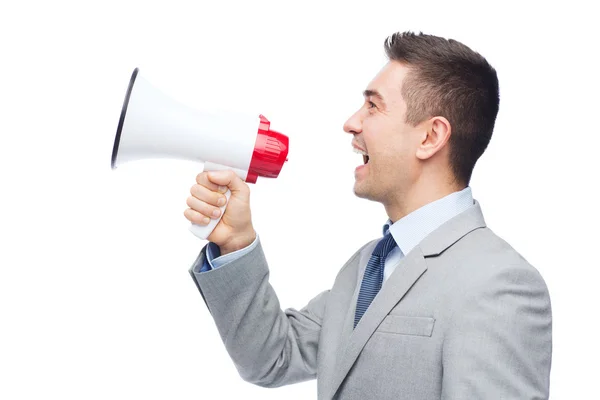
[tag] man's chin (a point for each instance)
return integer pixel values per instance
(361, 192)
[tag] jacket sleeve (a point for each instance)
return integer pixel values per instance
(268, 346)
(499, 343)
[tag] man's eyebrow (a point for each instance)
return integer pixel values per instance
(374, 93)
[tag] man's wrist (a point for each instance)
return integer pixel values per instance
(238, 243)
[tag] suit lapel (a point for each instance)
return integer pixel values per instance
(408, 271)
(348, 327)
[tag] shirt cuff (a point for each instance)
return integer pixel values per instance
(214, 260)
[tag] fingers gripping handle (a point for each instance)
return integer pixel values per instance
(204, 231)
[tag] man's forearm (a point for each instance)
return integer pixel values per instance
(270, 347)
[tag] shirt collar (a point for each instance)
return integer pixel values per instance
(410, 230)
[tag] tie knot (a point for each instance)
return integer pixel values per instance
(385, 245)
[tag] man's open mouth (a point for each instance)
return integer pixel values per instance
(363, 153)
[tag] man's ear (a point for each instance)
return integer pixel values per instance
(436, 133)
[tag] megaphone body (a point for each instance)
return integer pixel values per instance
(153, 125)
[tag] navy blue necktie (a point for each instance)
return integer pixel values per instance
(373, 277)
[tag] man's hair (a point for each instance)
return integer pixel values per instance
(449, 79)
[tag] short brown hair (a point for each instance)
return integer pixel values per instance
(449, 79)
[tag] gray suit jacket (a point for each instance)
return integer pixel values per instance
(463, 316)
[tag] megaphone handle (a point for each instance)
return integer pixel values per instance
(204, 231)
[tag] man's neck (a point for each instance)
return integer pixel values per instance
(416, 198)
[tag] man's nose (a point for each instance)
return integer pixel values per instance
(354, 124)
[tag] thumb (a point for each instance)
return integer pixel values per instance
(229, 179)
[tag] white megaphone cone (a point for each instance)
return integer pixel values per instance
(152, 125)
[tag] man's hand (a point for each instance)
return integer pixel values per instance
(235, 230)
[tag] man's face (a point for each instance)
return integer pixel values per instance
(379, 130)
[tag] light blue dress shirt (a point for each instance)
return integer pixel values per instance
(408, 231)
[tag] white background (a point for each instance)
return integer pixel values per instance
(95, 298)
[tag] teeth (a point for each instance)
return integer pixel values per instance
(359, 151)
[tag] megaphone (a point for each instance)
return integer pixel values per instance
(153, 125)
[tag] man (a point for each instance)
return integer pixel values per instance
(440, 307)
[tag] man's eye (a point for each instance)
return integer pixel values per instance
(372, 105)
